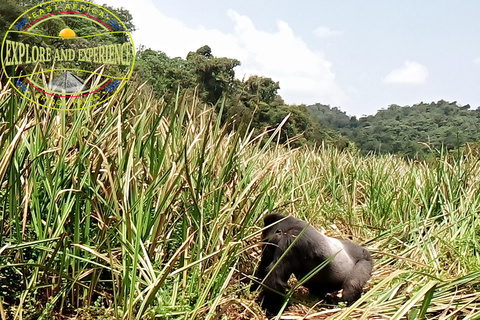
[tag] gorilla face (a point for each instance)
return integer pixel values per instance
(349, 270)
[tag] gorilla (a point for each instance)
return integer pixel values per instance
(349, 270)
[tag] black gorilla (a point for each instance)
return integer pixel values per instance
(349, 270)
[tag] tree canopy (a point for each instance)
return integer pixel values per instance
(412, 131)
(253, 103)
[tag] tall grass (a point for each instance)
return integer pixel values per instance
(149, 208)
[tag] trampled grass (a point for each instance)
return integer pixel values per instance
(148, 208)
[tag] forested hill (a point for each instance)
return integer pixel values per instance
(409, 131)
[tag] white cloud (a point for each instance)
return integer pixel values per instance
(305, 76)
(477, 61)
(325, 32)
(160, 32)
(410, 73)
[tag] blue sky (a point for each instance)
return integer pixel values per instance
(360, 56)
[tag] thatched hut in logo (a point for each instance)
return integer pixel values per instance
(67, 82)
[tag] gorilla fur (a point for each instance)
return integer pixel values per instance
(349, 270)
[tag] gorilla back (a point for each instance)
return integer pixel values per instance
(349, 270)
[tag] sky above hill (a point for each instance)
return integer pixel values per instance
(360, 56)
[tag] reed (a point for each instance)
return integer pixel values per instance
(149, 208)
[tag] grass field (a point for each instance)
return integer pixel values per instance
(148, 208)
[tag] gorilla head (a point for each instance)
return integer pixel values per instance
(349, 270)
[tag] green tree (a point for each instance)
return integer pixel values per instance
(215, 76)
(163, 73)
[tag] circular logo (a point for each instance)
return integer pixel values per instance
(68, 55)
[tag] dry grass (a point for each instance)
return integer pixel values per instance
(147, 208)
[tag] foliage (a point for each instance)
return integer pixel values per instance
(215, 76)
(162, 73)
(300, 126)
(416, 132)
(250, 104)
(117, 217)
(150, 205)
(334, 118)
(10, 10)
(157, 214)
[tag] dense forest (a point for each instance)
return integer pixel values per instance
(253, 103)
(414, 131)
